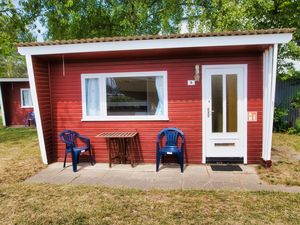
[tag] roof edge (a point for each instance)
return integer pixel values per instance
(266, 37)
(14, 79)
(157, 37)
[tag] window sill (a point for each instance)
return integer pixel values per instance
(124, 118)
(26, 107)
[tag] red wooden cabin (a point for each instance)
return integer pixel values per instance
(15, 101)
(218, 88)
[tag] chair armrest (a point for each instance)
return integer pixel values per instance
(84, 139)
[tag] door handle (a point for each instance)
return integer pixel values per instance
(209, 112)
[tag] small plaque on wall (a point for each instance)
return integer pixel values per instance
(252, 116)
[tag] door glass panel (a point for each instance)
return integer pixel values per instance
(231, 102)
(217, 103)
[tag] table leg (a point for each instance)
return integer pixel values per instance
(121, 149)
(130, 144)
(108, 141)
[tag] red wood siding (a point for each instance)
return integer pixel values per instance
(44, 98)
(11, 93)
(184, 103)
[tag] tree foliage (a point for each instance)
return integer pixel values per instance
(12, 29)
(71, 19)
(225, 15)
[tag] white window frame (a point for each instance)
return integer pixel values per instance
(22, 103)
(103, 107)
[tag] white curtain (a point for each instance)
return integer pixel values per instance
(159, 88)
(92, 97)
(27, 101)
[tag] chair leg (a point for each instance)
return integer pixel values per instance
(180, 157)
(65, 159)
(158, 156)
(74, 161)
(91, 158)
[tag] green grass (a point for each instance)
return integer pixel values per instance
(23, 203)
(286, 161)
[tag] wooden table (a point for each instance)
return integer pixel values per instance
(123, 141)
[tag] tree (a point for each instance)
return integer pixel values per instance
(225, 15)
(70, 19)
(280, 14)
(12, 29)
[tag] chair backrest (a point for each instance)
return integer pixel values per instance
(68, 137)
(31, 116)
(171, 135)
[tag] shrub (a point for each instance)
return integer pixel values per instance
(279, 124)
(297, 126)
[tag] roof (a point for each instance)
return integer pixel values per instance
(157, 37)
(13, 79)
(148, 42)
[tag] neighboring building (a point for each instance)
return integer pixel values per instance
(15, 101)
(218, 88)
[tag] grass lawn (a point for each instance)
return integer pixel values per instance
(286, 161)
(22, 203)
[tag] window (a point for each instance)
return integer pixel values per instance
(125, 96)
(26, 101)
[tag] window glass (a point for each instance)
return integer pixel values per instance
(217, 103)
(128, 96)
(231, 101)
(26, 98)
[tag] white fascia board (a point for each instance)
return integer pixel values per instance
(157, 44)
(14, 79)
(35, 102)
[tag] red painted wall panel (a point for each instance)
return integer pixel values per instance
(14, 114)
(41, 73)
(184, 103)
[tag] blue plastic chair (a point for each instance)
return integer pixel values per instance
(30, 119)
(171, 145)
(69, 137)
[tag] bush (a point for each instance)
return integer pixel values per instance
(279, 124)
(297, 126)
(291, 130)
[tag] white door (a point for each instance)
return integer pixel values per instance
(224, 90)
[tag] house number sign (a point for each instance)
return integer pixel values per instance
(252, 116)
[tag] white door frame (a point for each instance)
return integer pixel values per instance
(244, 104)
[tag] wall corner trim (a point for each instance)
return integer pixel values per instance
(2, 107)
(269, 85)
(35, 102)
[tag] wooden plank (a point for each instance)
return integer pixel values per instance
(117, 134)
